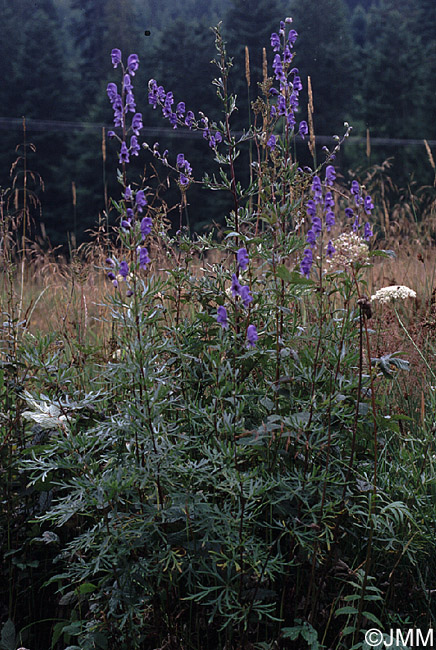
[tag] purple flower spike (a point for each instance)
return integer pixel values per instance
(143, 258)
(146, 224)
(252, 336)
(140, 200)
(242, 258)
(246, 296)
(330, 175)
(124, 269)
(116, 57)
(236, 287)
(222, 317)
(132, 64)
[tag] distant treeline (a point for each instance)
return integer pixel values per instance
(371, 63)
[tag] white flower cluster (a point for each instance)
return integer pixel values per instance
(350, 249)
(394, 292)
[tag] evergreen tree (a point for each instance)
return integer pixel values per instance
(249, 23)
(326, 53)
(394, 85)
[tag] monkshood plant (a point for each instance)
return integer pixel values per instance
(227, 492)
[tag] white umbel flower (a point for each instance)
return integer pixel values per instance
(393, 292)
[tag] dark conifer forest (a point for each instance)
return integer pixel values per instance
(372, 63)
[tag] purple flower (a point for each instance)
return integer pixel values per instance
(180, 110)
(111, 135)
(130, 214)
(243, 259)
(183, 180)
(303, 129)
(367, 231)
(355, 188)
(349, 213)
(130, 102)
(112, 92)
(368, 205)
(275, 42)
(272, 141)
(317, 189)
(189, 119)
(143, 258)
(311, 208)
(110, 262)
(330, 175)
(140, 200)
(246, 296)
(330, 249)
(127, 83)
(111, 275)
(137, 123)
(306, 262)
(124, 153)
(292, 37)
(311, 238)
(252, 336)
(329, 201)
(297, 85)
(125, 224)
(222, 317)
(236, 287)
(146, 224)
(134, 146)
(116, 57)
(316, 225)
(329, 219)
(132, 64)
(124, 269)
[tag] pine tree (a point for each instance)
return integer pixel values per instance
(325, 51)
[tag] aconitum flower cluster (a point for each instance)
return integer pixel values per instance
(135, 226)
(123, 103)
(348, 248)
(179, 116)
(287, 96)
(242, 293)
